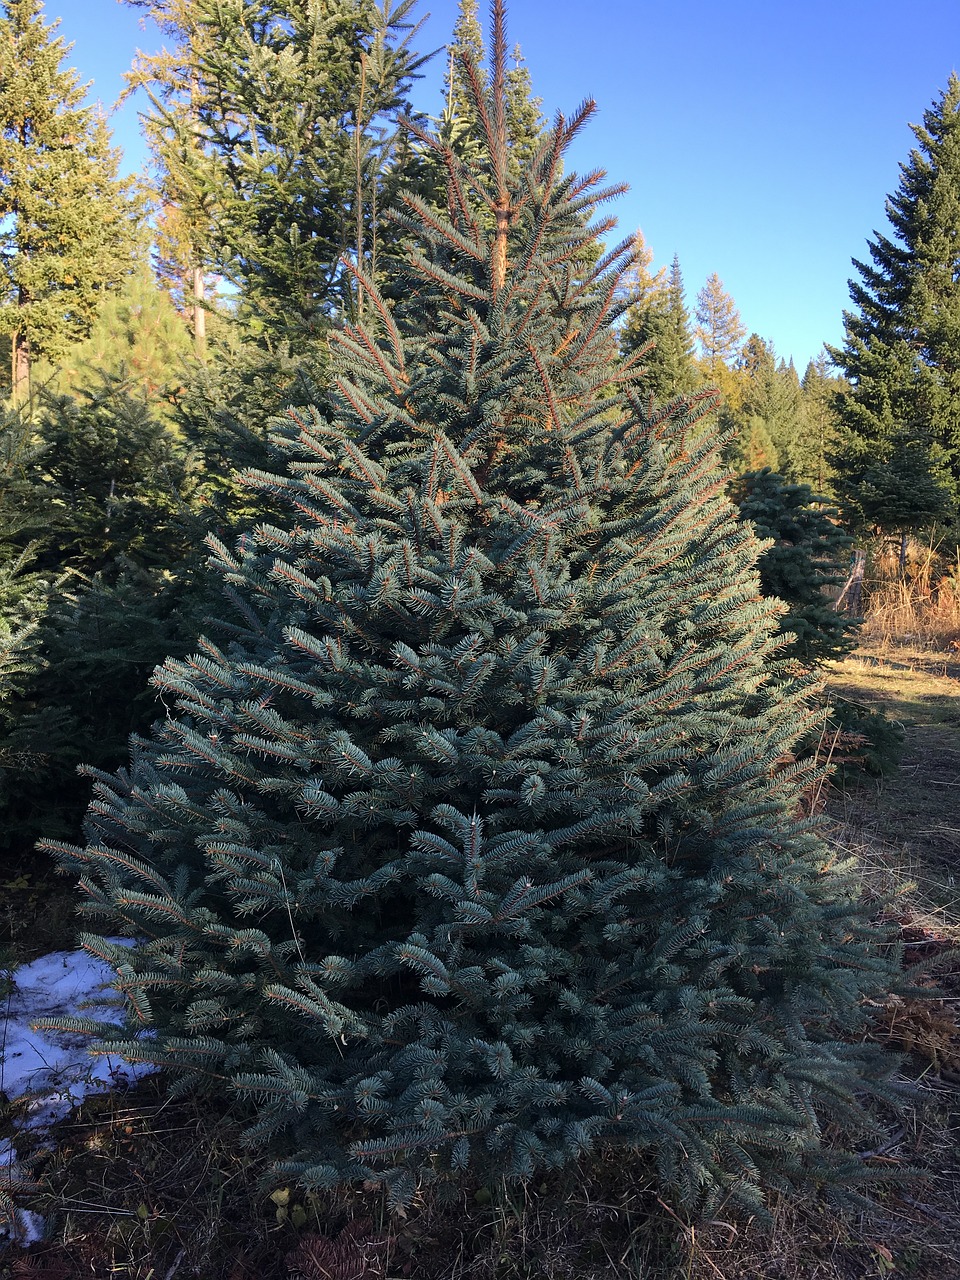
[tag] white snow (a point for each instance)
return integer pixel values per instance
(54, 1070)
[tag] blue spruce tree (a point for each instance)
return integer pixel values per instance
(477, 847)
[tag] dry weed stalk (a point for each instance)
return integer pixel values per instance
(920, 604)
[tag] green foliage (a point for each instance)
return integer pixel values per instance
(902, 347)
(70, 226)
(467, 55)
(818, 439)
(475, 849)
(719, 330)
(138, 340)
(118, 479)
(92, 653)
(23, 590)
(102, 497)
(274, 127)
(777, 422)
(809, 554)
(906, 485)
(869, 741)
(658, 315)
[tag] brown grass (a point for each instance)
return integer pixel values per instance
(919, 607)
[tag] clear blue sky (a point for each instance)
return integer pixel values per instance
(759, 140)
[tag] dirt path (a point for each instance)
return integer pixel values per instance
(913, 813)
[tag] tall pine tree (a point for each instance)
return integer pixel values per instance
(477, 848)
(459, 125)
(70, 226)
(719, 330)
(901, 352)
(274, 131)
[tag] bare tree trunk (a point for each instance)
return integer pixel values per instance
(850, 597)
(20, 368)
(199, 313)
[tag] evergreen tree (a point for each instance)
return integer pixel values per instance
(112, 540)
(83, 691)
(769, 418)
(820, 389)
(460, 124)
(466, 45)
(117, 477)
(658, 315)
(905, 488)
(719, 330)
(476, 848)
(808, 556)
(273, 127)
(901, 352)
(70, 226)
(24, 512)
(138, 340)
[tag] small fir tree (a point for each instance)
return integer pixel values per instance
(137, 338)
(817, 442)
(477, 849)
(107, 494)
(24, 515)
(809, 555)
(906, 488)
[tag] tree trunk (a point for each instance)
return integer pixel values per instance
(199, 313)
(903, 554)
(20, 368)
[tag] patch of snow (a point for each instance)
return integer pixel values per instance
(54, 1070)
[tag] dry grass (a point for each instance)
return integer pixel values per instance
(919, 607)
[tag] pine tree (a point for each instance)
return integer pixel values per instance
(466, 44)
(908, 486)
(117, 478)
(274, 130)
(24, 515)
(719, 330)
(809, 555)
(901, 352)
(460, 125)
(476, 849)
(70, 225)
(105, 506)
(658, 315)
(137, 339)
(818, 440)
(769, 416)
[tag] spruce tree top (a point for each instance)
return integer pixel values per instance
(902, 345)
(478, 846)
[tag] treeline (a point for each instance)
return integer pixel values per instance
(773, 417)
(153, 332)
